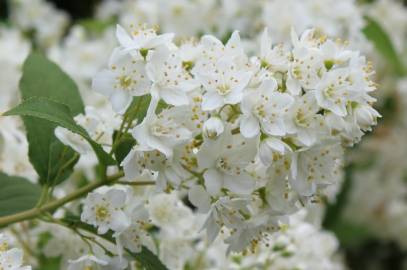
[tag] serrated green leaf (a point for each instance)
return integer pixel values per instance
(60, 115)
(17, 194)
(382, 42)
(43, 78)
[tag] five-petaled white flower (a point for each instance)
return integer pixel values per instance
(264, 109)
(104, 209)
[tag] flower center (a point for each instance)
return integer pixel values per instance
(101, 212)
(223, 89)
(125, 82)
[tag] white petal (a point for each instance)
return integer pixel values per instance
(119, 221)
(211, 101)
(200, 198)
(174, 96)
(213, 181)
(103, 82)
(240, 184)
(249, 126)
(123, 37)
(265, 43)
(234, 97)
(120, 100)
(293, 86)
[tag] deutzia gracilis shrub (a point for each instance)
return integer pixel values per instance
(251, 138)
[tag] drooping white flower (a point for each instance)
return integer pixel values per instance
(136, 235)
(225, 165)
(316, 168)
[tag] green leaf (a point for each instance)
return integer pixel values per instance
(60, 115)
(59, 165)
(149, 260)
(17, 194)
(43, 78)
(124, 146)
(382, 42)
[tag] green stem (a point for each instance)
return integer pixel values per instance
(48, 207)
(138, 183)
(43, 196)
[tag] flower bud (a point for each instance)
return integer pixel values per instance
(366, 116)
(213, 127)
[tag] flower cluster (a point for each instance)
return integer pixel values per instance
(10, 258)
(250, 137)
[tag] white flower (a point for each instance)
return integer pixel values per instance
(303, 120)
(140, 40)
(99, 123)
(335, 90)
(314, 168)
(224, 83)
(12, 259)
(125, 78)
(263, 109)
(275, 58)
(170, 80)
(4, 242)
(77, 142)
(225, 160)
(268, 147)
(104, 209)
(136, 235)
(165, 210)
(164, 131)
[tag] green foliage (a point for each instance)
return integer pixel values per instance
(17, 194)
(348, 234)
(42, 78)
(59, 114)
(123, 146)
(97, 26)
(382, 42)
